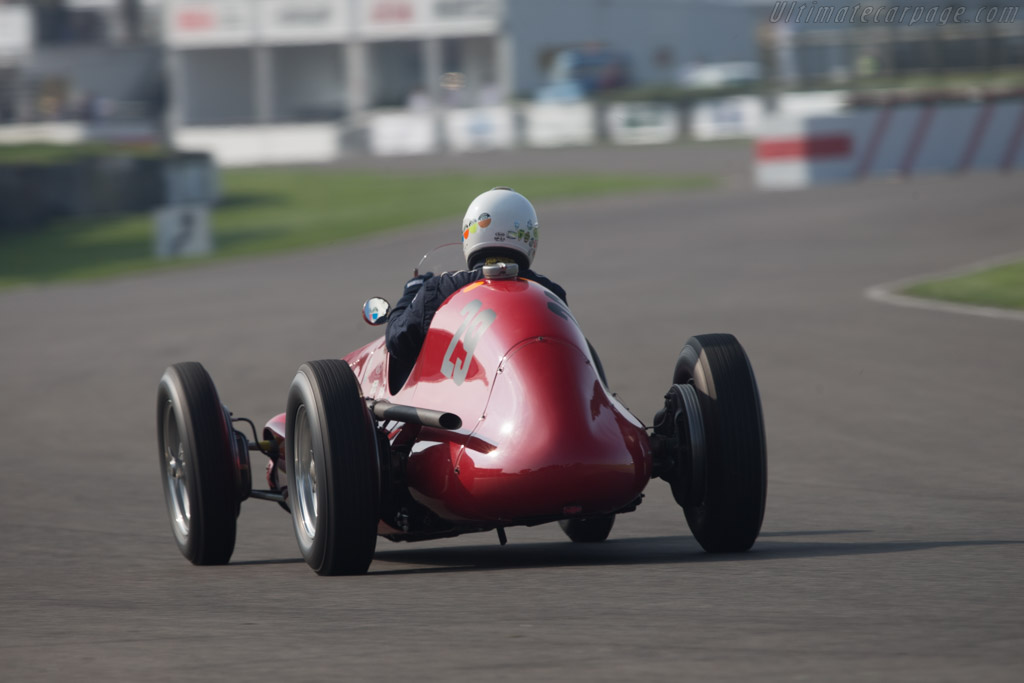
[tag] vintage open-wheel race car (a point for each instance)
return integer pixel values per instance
(505, 419)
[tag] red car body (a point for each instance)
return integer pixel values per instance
(542, 437)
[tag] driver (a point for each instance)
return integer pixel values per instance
(500, 226)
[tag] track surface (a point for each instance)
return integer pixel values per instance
(893, 543)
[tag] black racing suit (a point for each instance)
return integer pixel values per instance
(410, 318)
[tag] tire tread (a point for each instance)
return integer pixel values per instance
(214, 521)
(730, 517)
(352, 477)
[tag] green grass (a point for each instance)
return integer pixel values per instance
(1003, 77)
(266, 210)
(1002, 287)
(44, 154)
(998, 78)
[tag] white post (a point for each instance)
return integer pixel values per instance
(175, 113)
(431, 56)
(263, 84)
(504, 64)
(504, 55)
(357, 82)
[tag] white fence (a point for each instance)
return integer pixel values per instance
(74, 132)
(560, 125)
(642, 123)
(742, 116)
(480, 129)
(808, 139)
(263, 145)
(403, 134)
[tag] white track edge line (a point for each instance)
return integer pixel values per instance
(884, 293)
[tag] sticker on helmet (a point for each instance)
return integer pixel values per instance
(469, 227)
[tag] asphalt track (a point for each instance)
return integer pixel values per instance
(893, 543)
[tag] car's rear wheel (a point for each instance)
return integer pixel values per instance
(724, 507)
(588, 529)
(333, 469)
(197, 464)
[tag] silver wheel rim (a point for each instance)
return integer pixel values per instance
(176, 475)
(304, 465)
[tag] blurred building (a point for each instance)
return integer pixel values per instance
(822, 43)
(263, 61)
(200, 71)
(244, 61)
(80, 60)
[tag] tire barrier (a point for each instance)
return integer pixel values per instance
(34, 194)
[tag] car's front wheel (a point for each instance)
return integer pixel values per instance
(333, 470)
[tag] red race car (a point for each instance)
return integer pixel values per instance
(505, 419)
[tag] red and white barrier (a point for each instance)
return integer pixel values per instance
(793, 153)
(904, 139)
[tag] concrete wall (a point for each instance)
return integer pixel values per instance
(33, 194)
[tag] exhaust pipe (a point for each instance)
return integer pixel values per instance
(382, 410)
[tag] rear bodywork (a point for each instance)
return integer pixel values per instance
(542, 437)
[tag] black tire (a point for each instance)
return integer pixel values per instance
(588, 529)
(333, 469)
(197, 464)
(729, 517)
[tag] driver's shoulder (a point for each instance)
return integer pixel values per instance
(546, 282)
(448, 283)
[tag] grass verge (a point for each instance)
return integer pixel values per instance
(1001, 287)
(267, 210)
(43, 154)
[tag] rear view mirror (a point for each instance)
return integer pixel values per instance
(375, 310)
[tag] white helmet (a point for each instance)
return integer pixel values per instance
(503, 223)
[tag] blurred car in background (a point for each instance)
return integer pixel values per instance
(578, 72)
(720, 75)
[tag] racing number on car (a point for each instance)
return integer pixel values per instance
(473, 326)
